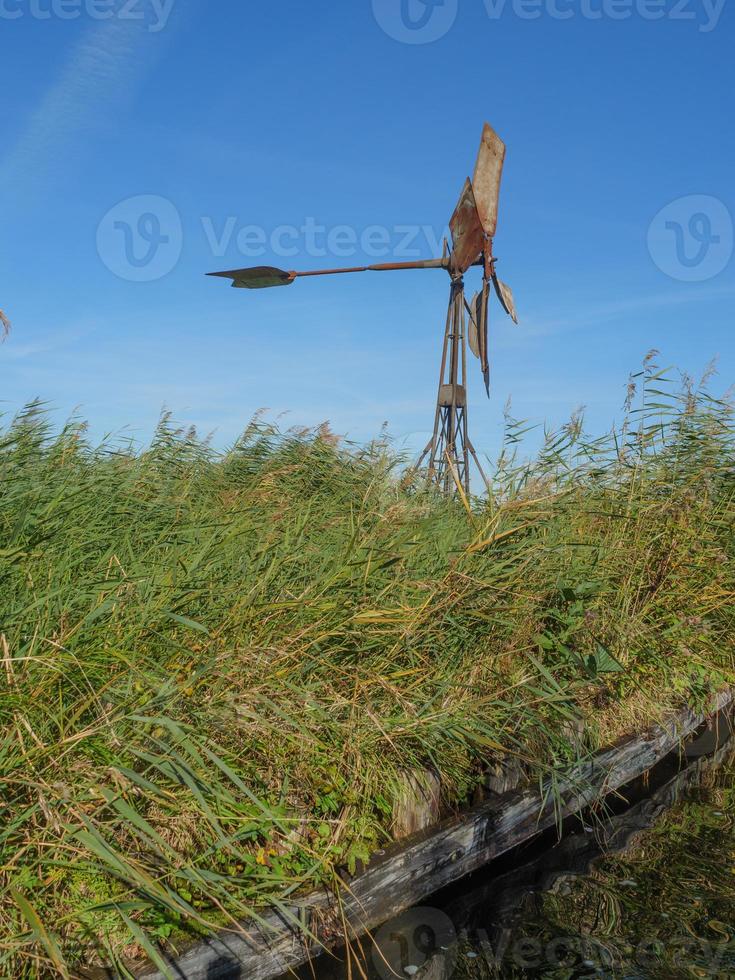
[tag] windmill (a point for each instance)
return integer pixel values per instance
(472, 227)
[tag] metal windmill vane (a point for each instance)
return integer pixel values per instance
(472, 227)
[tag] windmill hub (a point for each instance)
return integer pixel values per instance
(473, 227)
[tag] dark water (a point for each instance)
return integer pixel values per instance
(643, 889)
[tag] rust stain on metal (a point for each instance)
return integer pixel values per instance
(266, 276)
(382, 267)
(468, 237)
(482, 315)
(488, 174)
(473, 335)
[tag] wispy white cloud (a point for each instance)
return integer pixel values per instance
(99, 75)
(576, 317)
(49, 341)
(18, 352)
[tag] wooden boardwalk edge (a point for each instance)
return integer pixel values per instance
(410, 871)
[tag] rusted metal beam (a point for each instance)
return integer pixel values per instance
(265, 276)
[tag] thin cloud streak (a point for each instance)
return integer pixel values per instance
(603, 312)
(99, 75)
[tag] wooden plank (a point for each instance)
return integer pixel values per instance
(489, 911)
(408, 872)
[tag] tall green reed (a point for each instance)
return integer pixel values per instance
(217, 666)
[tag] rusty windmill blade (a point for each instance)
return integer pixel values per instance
(473, 333)
(505, 295)
(486, 181)
(483, 316)
(478, 312)
(468, 237)
(477, 336)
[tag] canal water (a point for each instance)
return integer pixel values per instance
(642, 888)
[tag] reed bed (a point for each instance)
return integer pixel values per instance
(215, 667)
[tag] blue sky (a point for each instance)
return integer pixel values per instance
(228, 117)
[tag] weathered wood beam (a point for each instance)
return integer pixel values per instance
(408, 872)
